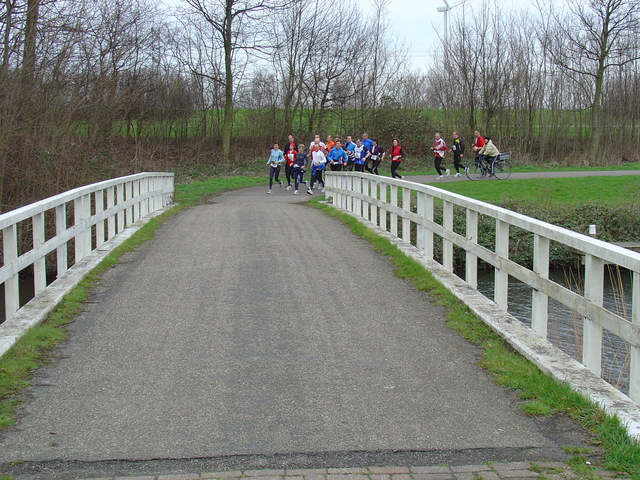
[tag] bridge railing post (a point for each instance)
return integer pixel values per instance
(447, 245)
(406, 223)
(592, 331)
(393, 217)
(384, 191)
(634, 353)
(471, 260)
(540, 301)
(501, 278)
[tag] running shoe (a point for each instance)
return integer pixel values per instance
(295, 192)
(310, 192)
(288, 187)
(269, 192)
(457, 174)
(447, 172)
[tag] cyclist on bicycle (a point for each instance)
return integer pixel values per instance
(489, 152)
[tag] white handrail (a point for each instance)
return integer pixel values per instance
(365, 196)
(100, 212)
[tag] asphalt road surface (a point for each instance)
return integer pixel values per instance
(254, 330)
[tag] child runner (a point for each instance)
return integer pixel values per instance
(302, 161)
(396, 157)
(275, 159)
(439, 149)
(318, 161)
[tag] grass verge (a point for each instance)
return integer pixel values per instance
(539, 392)
(37, 346)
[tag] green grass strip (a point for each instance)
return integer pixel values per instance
(540, 393)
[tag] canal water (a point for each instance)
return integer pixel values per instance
(565, 326)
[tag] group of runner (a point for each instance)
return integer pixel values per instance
(362, 155)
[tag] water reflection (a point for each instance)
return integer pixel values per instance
(565, 326)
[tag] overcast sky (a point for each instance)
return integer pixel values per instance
(419, 23)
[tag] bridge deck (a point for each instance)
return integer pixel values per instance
(256, 326)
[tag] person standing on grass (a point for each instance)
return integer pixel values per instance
(301, 163)
(439, 149)
(457, 147)
(376, 155)
(276, 158)
(396, 157)
(337, 157)
(318, 162)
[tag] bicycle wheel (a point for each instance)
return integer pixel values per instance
(501, 169)
(474, 171)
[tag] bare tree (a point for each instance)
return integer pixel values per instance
(589, 39)
(235, 23)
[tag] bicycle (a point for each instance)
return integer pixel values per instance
(499, 168)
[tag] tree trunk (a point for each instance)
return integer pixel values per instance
(227, 121)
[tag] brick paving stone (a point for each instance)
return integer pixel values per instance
(379, 477)
(470, 468)
(348, 471)
(265, 473)
(489, 476)
(315, 477)
(225, 474)
(434, 476)
(437, 469)
(519, 474)
(467, 475)
(306, 472)
(389, 470)
(129, 478)
(265, 477)
(347, 476)
(183, 476)
(401, 476)
(510, 466)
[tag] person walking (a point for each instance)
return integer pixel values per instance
(299, 167)
(276, 157)
(439, 149)
(457, 147)
(376, 155)
(396, 157)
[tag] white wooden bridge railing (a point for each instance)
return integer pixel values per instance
(85, 218)
(390, 204)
